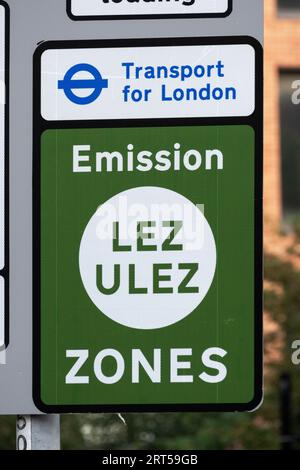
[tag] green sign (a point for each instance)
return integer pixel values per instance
(148, 265)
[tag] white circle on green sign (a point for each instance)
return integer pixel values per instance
(147, 257)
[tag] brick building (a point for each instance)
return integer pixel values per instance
(282, 118)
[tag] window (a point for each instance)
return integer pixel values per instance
(290, 147)
(289, 7)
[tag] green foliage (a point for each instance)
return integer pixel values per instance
(7, 433)
(285, 310)
(188, 431)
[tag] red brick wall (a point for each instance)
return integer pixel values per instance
(282, 50)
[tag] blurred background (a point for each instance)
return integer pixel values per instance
(276, 425)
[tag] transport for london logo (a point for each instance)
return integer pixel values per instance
(94, 85)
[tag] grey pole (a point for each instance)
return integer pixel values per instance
(38, 432)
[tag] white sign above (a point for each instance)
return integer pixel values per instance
(148, 82)
(135, 8)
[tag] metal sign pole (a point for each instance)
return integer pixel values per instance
(38, 432)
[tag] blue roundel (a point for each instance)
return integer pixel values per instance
(96, 84)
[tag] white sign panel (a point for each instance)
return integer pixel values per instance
(135, 8)
(2, 170)
(148, 82)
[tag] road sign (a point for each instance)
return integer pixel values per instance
(147, 219)
(212, 82)
(4, 51)
(153, 9)
(51, 22)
